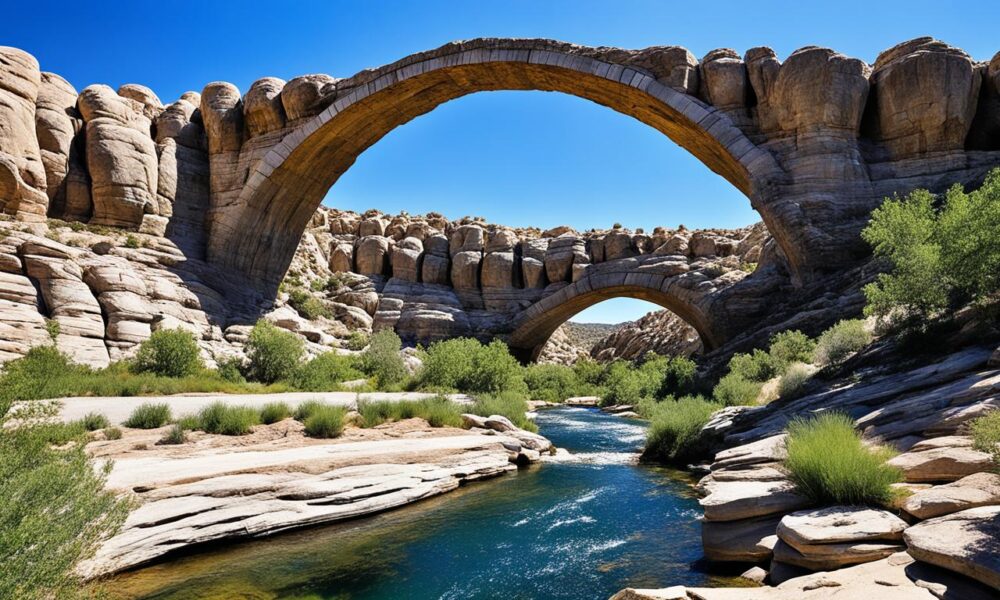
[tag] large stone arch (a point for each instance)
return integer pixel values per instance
(257, 234)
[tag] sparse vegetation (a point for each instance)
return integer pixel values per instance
(507, 404)
(357, 341)
(382, 360)
(733, 390)
(273, 412)
(830, 464)
(325, 421)
(840, 341)
(224, 419)
(131, 241)
(169, 353)
(94, 421)
(308, 306)
(986, 434)
(437, 411)
(175, 435)
(324, 373)
(793, 381)
(52, 327)
(112, 433)
(148, 416)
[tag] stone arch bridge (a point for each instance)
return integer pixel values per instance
(814, 142)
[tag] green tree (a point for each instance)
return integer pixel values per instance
(169, 353)
(382, 360)
(273, 354)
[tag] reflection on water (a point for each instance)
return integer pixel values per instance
(577, 530)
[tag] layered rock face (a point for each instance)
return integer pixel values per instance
(661, 332)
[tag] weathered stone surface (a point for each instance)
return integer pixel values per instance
(22, 172)
(407, 259)
(372, 255)
(465, 269)
(817, 87)
(926, 94)
(965, 542)
(56, 124)
(121, 158)
(724, 79)
(147, 99)
(748, 540)
(980, 489)
(942, 464)
(262, 108)
(734, 500)
(837, 524)
(306, 96)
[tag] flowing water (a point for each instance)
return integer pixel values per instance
(575, 529)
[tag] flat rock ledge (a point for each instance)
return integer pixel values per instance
(966, 542)
(215, 495)
(942, 460)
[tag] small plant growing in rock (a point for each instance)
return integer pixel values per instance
(358, 340)
(94, 421)
(169, 353)
(274, 412)
(148, 416)
(794, 380)
(837, 343)
(52, 328)
(986, 434)
(307, 305)
(829, 463)
(112, 433)
(131, 241)
(174, 435)
(675, 428)
(325, 422)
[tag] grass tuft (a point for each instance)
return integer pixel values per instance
(273, 412)
(223, 419)
(325, 422)
(674, 434)
(148, 416)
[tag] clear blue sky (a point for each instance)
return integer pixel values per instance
(519, 158)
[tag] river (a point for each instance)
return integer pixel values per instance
(579, 529)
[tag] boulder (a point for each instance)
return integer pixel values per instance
(827, 557)
(734, 500)
(724, 81)
(222, 114)
(618, 244)
(747, 540)
(673, 66)
(926, 94)
(465, 269)
(262, 109)
(941, 464)
(762, 70)
(819, 88)
(372, 226)
(677, 592)
(467, 238)
(837, 524)
(407, 259)
(56, 124)
(966, 542)
(372, 255)
(980, 489)
(341, 257)
(23, 190)
(500, 270)
(147, 99)
(121, 158)
(560, 256)
(307, 96)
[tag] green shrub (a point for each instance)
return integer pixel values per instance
(469, 366)
(149, 416)
(437, 411)
(131, 241)
(622, 384)
(272, 412)
(939, 259)
(325, 422)
(674, 434)
(448, 363)
(174, 435)
(39, 374)
(94, 421)
(759, 366)
(223, 419)
(494, 370)
(273, 354)
(791, 384)
(840, 341)
(678, 377)
(324, 373)
(790, 347)
(305, 409)
(189, 422)
(170, 353)
(112, 433)
(382, 360)
(830, 464)
(986, 434)
(358, 340)
(52, 327)
(588, 371)
(552, 383)
(506, 404)
(307, 305)
(55, 512)
(231, 369)
(734, 390)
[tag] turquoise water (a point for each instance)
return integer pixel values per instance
(573, 530)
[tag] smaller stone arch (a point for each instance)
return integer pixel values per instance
(667, 283)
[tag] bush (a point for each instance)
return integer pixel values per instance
(169, 353)
(494, 370)
(830, 464)
(325, 422)
(791, 384)
(94, 421)
(790, 347)
(305, 409)
(986, 434)
(448, 363)
(231, 369)
(307, 305)
(149, 416)
(622, 384)
(552, 383)
(734, 390)
(273, 354)
(174, 435)
(759, 366)
(588, 371)
(506, 404)
(112, 433)
(437, 411)
(223, 419)
(39, 374)
(382, 359)
(189, 422)
(273, 412)
(358, 340)
(324, 373)
(55, 512)
(678, 377)
(674, 434)
(939, 259)
(840, 341)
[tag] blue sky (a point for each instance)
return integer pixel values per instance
(519, 158)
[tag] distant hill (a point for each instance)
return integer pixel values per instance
(585, 335)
